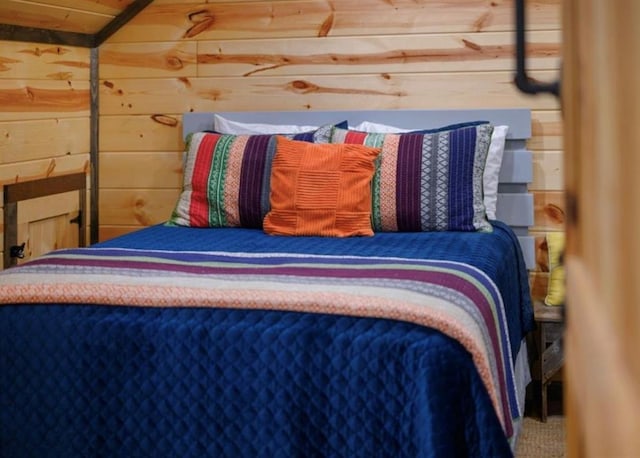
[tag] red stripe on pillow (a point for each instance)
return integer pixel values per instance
(199, 205)
(355, 137)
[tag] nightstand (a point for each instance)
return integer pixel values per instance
(550, 348)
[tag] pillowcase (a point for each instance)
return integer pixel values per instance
(491, 175)
(374, 127)
(427, 181)
(226, 126)
(556, 287)
(321, 189)
(227, 179)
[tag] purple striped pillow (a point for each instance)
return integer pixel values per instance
(427, 181)
(227, 179)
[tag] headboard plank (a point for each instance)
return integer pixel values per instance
(515, 203)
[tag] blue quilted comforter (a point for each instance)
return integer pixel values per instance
(160, 375)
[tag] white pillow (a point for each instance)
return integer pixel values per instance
(492, 169)
(492, 166)
(366, 126)
(226, 126)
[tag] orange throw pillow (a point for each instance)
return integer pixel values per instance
(321, 189)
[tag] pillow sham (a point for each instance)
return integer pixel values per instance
(226, 179)
(491, 173)
(556, 286)
(374, 127)
(427, 181)
(226, 126)
(321, 189)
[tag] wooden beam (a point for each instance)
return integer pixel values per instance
(121, 19)
(11, 32)
(24, 190)
(94, 140)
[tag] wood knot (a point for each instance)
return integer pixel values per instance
(303, 86)
(174, 63)
(202, 21)
(471, 45)
(482, 22)
(165, 120)
(326, 26)
(554, 213)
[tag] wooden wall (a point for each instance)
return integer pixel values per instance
(44, 131)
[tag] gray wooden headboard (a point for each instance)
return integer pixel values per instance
(515, 203)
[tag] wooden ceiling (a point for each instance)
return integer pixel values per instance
(70, 22)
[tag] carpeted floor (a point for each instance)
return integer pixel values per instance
(542, 440)
(538, 439)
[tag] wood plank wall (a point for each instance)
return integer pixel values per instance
(44, 130)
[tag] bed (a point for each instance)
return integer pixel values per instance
(225, 336)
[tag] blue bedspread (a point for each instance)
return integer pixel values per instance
(80, 380)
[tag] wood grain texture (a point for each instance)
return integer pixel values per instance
(39, 99)
(140, 170)
(138, 207)
(538, 284)
(397, 53)
(549, 211)
(601, 99)
(172, 21)
(41, 139)
(109, 7)
(548, 171)
(542, 251)
(445, 90)
(153, 132)
(49, 234)
(546, 131)
(44, 224)
(30, 170)
(42, 16)
(109, 232)
(31, 61)
(47, 207)
(145, 60)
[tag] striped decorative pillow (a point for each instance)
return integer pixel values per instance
(427, 181)
(227, 179)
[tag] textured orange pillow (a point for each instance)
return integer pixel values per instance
(321, 189)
